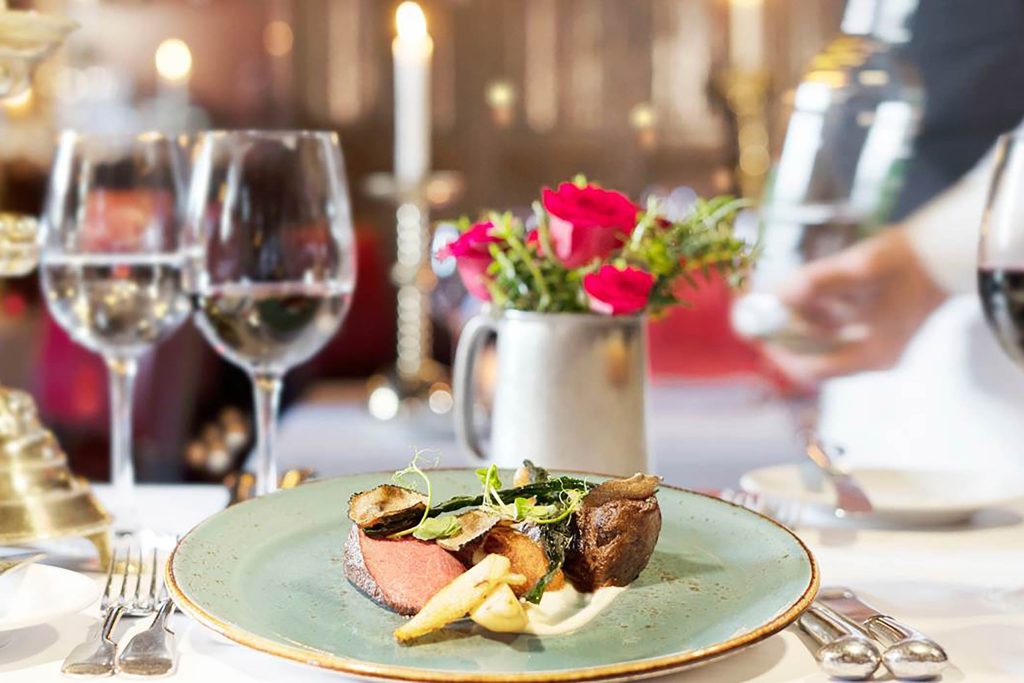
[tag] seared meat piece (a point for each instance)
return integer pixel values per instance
(615, 532)
(399, 574)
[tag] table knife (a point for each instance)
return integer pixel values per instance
(15, 560)
(850, 497)
(909, 655)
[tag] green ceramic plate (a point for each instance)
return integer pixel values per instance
(268, 574)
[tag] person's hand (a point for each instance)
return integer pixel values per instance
(876, 292)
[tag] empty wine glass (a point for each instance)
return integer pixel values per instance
(111, 263)
(271, 260)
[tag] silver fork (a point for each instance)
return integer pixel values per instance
(786, 513)
(121, 596)
(152, 652)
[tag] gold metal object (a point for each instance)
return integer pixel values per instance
(294, 477)
(19, 249)
(39, 497)
(746, 93)
(26, 39)
(242, 485)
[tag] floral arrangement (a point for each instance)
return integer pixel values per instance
(594, 249)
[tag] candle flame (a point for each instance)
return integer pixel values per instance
(410, 20)
(173, 60)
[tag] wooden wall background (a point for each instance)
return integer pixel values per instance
(582, 73)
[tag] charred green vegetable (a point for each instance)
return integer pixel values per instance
(550, 492)
(555, 539)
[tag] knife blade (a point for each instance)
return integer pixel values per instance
(850, 497)
(15, 560)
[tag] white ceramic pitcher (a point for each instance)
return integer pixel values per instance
(570, 393)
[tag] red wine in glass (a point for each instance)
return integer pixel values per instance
(1002, 298)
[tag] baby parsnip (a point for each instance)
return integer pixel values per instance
(460, 597)
(500, 611)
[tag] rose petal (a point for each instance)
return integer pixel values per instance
(587, 223)
(618, 292)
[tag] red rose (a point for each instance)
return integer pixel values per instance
(587, 223)
(472, 257)
(618, 292)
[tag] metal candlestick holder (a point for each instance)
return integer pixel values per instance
(746, 94)
(416, 380)
(39, 497)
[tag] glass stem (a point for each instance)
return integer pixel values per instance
(121, 373)
(267, 393)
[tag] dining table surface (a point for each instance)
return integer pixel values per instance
(955, 583)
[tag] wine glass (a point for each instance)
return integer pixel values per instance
(1001, 252)
(1001, 268)
(271, 257)
(111, 263)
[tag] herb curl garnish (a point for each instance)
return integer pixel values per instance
(429, 527)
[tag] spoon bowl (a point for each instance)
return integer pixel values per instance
(914, 659)
(850, 658)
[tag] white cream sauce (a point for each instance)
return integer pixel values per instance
(567, 609)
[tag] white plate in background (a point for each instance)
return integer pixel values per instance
(907, 496)
(45, 593)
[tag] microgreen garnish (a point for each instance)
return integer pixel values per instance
(488, 476)
(526, 508)
(413, 469)
(436, 528)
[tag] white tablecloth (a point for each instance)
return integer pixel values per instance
(946, 583)
(701, 435)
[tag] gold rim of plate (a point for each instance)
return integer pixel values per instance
(610, 672)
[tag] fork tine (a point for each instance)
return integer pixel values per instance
(108, 587)
(134, 563)
(123, 597)
(153, 580)
(140, 570)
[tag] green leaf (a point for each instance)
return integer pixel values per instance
(527, 509)
(488, 476)
(437, 527)
(400, 478)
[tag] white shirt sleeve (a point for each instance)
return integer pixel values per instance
(945, 231)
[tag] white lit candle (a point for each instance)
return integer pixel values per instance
(173, 60)
(746, 34)
(412, 50)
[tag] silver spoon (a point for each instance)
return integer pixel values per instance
(911, 656)
(844, 651)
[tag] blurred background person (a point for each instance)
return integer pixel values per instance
(909, 293)
(888, 286)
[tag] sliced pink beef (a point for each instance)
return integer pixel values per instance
(399, 574)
